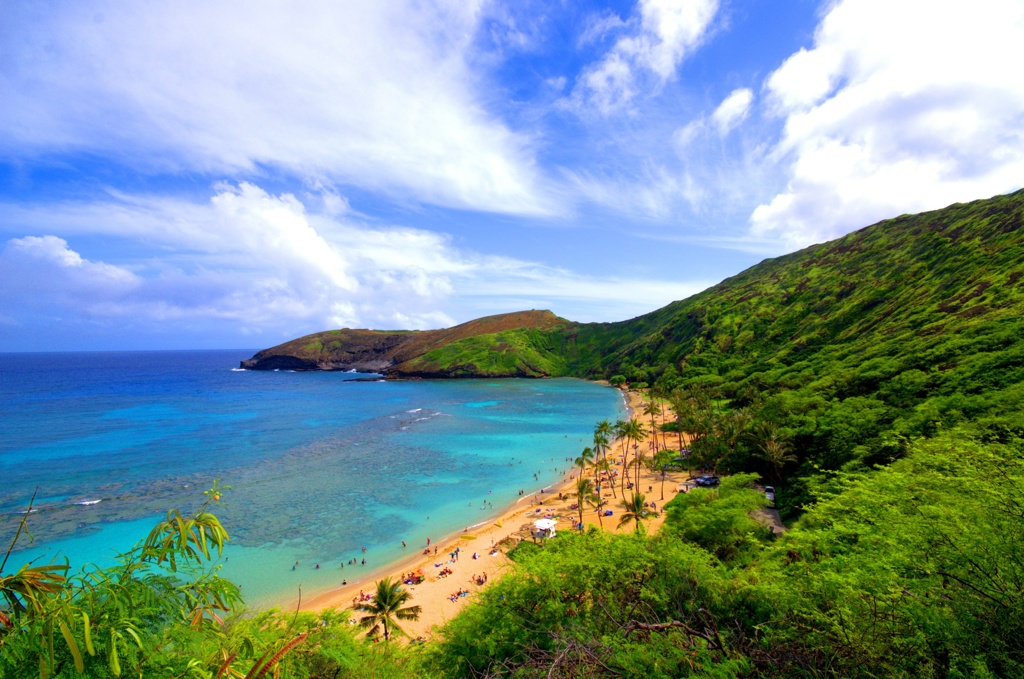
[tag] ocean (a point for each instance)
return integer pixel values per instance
(319, 465)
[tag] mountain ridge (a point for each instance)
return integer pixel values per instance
(389, 351)
(822, 296)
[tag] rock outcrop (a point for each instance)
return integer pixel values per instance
(401, 353)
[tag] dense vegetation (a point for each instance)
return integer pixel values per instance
(877, 381)
(912, 570)
(519, 352)
(916, 570)
(850, 348)
(842, 352)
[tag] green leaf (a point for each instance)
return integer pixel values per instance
(115, 664)
(88, 634)
(73, 647)
(135, 635)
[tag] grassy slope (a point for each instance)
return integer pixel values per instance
(383, 349)
(854, 347)
(519, 352)
(903, 284)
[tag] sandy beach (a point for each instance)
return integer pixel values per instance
(446, 573)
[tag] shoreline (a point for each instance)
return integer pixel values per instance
(488, 540)
(328, 598)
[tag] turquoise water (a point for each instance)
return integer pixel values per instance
(319, 465)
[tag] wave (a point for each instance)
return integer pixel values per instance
(239, 370)
(414, 410)
(86, 503)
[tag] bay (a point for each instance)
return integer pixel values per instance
(320, 466)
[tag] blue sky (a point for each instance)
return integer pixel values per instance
(234, 174)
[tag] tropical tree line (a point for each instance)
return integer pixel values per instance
(916, 570)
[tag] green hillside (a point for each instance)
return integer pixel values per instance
(519, 352)
(504, 345)
(852, 347)
(844, 351)
(907, 282)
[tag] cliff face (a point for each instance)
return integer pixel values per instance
(359, 350)
(404, 353)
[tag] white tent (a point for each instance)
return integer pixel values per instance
(544, 528)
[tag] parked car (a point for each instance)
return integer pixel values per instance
(707, 481)
(769, 492)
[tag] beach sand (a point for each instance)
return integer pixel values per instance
(434, 593)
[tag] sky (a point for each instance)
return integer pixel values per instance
(207, 174)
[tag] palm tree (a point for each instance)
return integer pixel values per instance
(600, 448)
(385, 607)
(585, 495)
(585, 459)
(618, 430)
(661, 460)
(634, 510)
(634, 431)
(664, 418)
(652, 409)
(773, 448)
(685, 408)
(600, 443)
(738, 424)
(603, 465)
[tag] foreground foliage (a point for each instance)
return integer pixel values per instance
(163, 611)
(916, 570)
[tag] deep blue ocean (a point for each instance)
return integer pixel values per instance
(319, 465)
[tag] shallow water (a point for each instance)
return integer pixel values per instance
(319, 466)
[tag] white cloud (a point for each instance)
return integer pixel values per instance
(598, 27)
(256, 263)
(665, 32)
(656, 195)
(373, 94)
(899, 107)
(672, 28)
(733, 110)
(38, 270)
